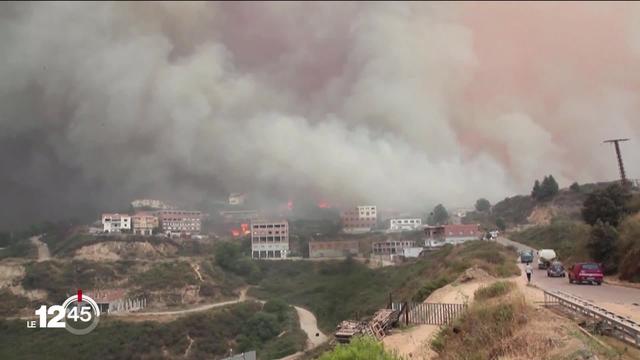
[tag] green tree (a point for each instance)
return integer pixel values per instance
(602, 245)
(608, 205)
(360, 348)
(483, 205)
(227, 254)
(501, 224)
(575, 187)
(548, 188)
(629, 249)
(439, 215)
(262, 326)
(545, 190)
(535, 192)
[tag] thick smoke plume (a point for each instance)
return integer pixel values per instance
(403, 105)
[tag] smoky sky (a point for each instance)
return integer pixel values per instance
(403, 105)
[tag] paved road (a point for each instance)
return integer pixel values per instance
(43, 249)
(605, 293)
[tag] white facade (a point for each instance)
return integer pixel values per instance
(434, 244)
(269, 240)
(116, 222)
(412, 252)
(405, 224)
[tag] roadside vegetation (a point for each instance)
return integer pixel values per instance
(272, 331)
(360, 348)
(496, 289)
(500, 323)
(338, 290)
(607, 234)
(568, 239)
(483, 332)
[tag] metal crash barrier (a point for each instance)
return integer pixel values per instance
(621, 327)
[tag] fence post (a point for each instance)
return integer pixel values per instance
(406, 313)
(390, 302)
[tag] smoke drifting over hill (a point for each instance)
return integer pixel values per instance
(398, 104)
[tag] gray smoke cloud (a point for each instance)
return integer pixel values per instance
(353, 103)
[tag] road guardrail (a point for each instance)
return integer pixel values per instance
(621, 327)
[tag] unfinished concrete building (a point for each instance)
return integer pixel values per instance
(333, 249)
(359, 219)
(392, 247)
(269, 240)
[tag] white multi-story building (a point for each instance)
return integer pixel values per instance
(269, 240)
(404, 224)
(116, 222)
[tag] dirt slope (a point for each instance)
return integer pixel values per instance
(413, 343)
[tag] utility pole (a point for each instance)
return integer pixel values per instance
(623, 176)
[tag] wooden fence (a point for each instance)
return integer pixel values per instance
(428, 313)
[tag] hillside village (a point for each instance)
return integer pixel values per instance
(158, 259)
(270, 239)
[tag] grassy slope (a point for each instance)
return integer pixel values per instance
(60, 278)
(568, 239)
(339, 290)
(214, 333)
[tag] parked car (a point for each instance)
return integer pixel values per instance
(586, 272)
(556, 270)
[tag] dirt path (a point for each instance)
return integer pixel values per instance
(309, 325)
(43, 249)
(241, 298)
(308, 321)
(191, 341)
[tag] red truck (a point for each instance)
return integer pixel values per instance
(586, 272)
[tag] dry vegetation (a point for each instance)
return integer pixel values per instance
(501, 324)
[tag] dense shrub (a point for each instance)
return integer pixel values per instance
(629, 250)
(496, 289)
(480, 332)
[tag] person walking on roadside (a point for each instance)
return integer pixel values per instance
(528, 270)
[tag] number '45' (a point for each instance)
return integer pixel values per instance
(85, 314)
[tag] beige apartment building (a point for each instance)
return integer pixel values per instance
(144, 223)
